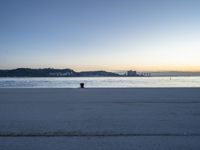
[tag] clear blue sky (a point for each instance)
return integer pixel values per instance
(100, 34)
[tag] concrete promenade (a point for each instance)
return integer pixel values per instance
(100, 119)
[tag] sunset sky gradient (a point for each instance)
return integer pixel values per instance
(146, 35)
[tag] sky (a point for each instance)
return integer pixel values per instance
(143, 35)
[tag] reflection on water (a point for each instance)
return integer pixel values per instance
(73, 82)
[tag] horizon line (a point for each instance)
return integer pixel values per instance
(103, 69)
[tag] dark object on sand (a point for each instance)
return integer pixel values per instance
(81, 85)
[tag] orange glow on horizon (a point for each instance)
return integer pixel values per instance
(138, 68)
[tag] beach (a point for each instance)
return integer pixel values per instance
(99, 118)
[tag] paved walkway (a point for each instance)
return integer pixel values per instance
(102, 119)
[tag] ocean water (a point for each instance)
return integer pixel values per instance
(95, 82)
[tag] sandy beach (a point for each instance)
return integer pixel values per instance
(100, 118)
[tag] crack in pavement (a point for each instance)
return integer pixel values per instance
(89, 134)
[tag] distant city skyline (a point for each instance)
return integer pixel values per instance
(142, 35)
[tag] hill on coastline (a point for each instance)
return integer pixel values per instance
(50, 72)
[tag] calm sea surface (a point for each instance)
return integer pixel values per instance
(68, 82)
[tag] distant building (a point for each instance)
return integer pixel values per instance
(67, 74)
(60, 74)
(131, 73)
(142, 74)
(55, 74)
